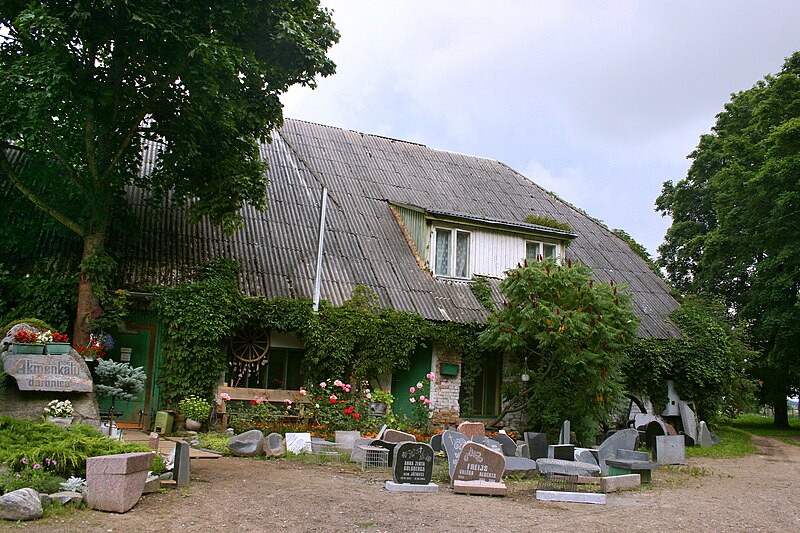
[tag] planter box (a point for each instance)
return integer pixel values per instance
(57, 348)
(37, 349)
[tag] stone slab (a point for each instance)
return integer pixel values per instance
(586, 455)
(62, 372)
(121, 463)
(704, 436)
(181, 471)
(670, 450)
(391, 486)
(346, 438)
(298, 442)
(688, 420)
(570, 497)
(359, 454)
(453, 442)
(520, 466)
(508, 444)
(564, 436)
(537, 445)
(113, 482)
(471, 429)
(624, 439)
(477, 461)
(568, 468)
(623, 482)
(393, 435)
(633, 465)
(481, 488)
(564, 452)
(436, 442)
(632, 455)
(412, 463)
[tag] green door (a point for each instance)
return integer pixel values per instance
(136, 343)
(403, 380)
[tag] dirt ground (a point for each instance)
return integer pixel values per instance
(751, 493)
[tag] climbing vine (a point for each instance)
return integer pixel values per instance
(548, 222)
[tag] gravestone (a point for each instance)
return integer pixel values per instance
(564, 436)
(359, 454)
(181, 468)
(670, 450)
(453, 443)
(522, 450)
(386, 446)
(275, 445)
(393, 435)
(60, 373)
(346, 438)
(585, 455)
(625, 466)
(152, 441)
(508, 444)
(624, 439)
(704, 436)
(477, 462)
(480, 439)
(537, 445)
(472, 428)
(298, 442)
(413, 463)
(520, 466)
(247, 444)
(115, 482)
(565, 452)
(567, 468)
(632, 455)
(689, 421)
(436, 442)
(641, 420)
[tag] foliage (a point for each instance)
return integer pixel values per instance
(38, 476)
(708, 365)
(84, 87)
(570, 332)
(421, 404)
(48, 294)
(73, 484)
(59, 409)
(638, 249)
(35, 322)
(735, 226)
(548, 222)
(337, 405)
(259, 414)
(482, 292)
(216, 442)
(733, 443)
(67, 448)
(195, 408)
(119, 380)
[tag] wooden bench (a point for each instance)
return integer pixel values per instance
(275, 396)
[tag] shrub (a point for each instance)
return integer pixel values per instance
(195, 407)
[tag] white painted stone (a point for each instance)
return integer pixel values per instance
(570, 497)
(298, 442)
(391, 486)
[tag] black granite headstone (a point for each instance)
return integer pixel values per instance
(387, 445)
(508, 444)
(436, 442)
(413, 463)
(537, 445)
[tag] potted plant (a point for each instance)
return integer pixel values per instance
(28, 342)
(196, 410)
(98, 346)
(59, 412)
(380, 401)
(56, 343)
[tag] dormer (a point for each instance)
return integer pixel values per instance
(457, 246)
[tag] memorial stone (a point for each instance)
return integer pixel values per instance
(704, 436)
(477, 462)
(688, 420)
(565, 452)
(181, 468)
(564, 436)
(537, 445)
(453, 442)
(508, 444)
(436, 442)
(520, 466)
(115, 482)
(624, 439)
(567, 468)
(472, 428)
(585, 455)
(522, 450)
(494, 445)
(413, 463)
(346, 438)
(61, 372)
(393, 435)
(152, 441)
(670, 450)
(298, 442)
(358, 454)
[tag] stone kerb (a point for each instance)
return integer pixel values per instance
(115, 483)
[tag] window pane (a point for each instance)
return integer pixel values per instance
(532, 251)
(550, 251)
(462, 254)
(442, 259)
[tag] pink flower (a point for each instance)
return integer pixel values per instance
(225, 396)
(431, 376)
(36, 466)
(422, 397)
(412, 400)
(24, 461)
(427, 401)
(369, 396)
(303, 391)
(338, 383)
(412, 390)
(323, 384)
(287, 400)
(419, 385)
(19, 475)
(366, 391)
(259, 400)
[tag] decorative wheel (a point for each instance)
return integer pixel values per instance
(251, 346)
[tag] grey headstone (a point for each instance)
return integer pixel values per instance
(640, 420)
(412, 463)
(182, 470)
(670, 450)
(508, 444)
(565, 452)
(275, 445)
(585, 455)
(22, 504)
(632, 455)
(567, 468)
(393, 435)
(564, 436)
(247, 444)
(436, 442)
(688, 420)
(520, 466)
(67, 496)
(624, 439)
(477, 462)
(704, 436)
(480, 439)
(358, 455)
(453, 442)
(537, 445)
(494, 445)
(346, 439)
(522, 450)
(152, 484)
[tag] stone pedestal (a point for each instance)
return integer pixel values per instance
(115, 482)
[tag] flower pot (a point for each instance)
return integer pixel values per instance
(377, 408)
(192, 425)
(57, 348)
(24, 348)
(60, 421)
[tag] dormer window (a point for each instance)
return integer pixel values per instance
(535, 250)
(451, 253)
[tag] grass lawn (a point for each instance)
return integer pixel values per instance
(736, 435)
(762, 426)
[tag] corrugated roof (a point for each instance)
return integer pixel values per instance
(364, 244)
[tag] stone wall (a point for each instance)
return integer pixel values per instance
(445, 389)
(31, 404)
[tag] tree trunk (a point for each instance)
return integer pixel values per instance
(88, 302)
(781, 414)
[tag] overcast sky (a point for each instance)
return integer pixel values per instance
(599, 102)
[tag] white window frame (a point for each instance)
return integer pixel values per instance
(452, 252)
(541, 245)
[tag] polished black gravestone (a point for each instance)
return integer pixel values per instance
(413, 463)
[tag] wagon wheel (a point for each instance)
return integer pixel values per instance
(251, 346)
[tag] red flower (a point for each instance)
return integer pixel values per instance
(252, 402)
(349, 410)
(333, 400)
(356, 415)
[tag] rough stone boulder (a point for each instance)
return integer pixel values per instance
(22, 504)
(247, 444)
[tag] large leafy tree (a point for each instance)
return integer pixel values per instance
(567, 332)
(84, 86)
(736, 223)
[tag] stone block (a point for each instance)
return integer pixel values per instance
(181, 470)
(67, 496)
(115, 483)
(393, 435)
(480, 487)
(633, 455)
(472, 428)
(567, 468)
(624, 439)
(565, 452)
(152, 484)
(623, 482)
(670, 449)
(508, 444)
(298, 442)
(570, 497)
(537, 445)
(520, 466)
(704, 436)
(391, 486)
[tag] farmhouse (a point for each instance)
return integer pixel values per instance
(412, 223)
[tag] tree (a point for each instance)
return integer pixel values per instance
(568, 333)
(84, 85)
(736, 223)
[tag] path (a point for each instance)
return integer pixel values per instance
(750, 493)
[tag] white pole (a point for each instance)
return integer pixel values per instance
(320, 247)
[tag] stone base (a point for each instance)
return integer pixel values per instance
(615, 483)
(485, 488)
(570, 497)
(391, 486)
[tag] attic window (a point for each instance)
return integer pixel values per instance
(536, 250)
(451, 253)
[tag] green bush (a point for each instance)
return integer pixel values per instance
(34, 476)
(195, 407)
